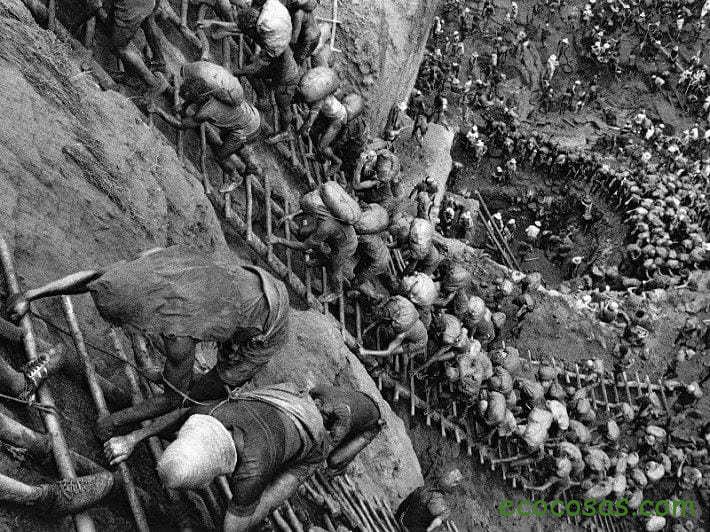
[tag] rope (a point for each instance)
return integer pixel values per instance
(163, 381)
(100, 350)
(42, 407)
(185, 397)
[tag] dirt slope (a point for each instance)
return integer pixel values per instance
(383, 43)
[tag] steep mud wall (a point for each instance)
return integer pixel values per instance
(383, 42)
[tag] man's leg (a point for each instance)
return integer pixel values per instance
(284, 96)
(326, 140)
(150, 30)
(12, 490)
(65, 496)
(12, 382)
(273, 496)
(133, 61)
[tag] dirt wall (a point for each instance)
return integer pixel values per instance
(383, 43)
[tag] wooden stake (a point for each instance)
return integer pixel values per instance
(62, 457)
(98, 396)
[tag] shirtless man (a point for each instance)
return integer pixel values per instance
(306, 30)
(333, 242)
(407, 337)
(124, 20)
(266, 441)
(328, 117)
(274, 67)
(376, 178)
(238, 128)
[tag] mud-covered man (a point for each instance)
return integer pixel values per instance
(124, 19)
(267, 23)
(178, 298)
(266, 441)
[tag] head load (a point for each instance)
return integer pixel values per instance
(202, 80)
(204, 449)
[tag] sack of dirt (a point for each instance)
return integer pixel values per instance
(399, 227)
(340, 204)
(354, 104)
(312, 203)
(421, 237)
(401, 313)
(274, 27)
(450, 329)
(456, 277)
(374, 220)
(201, 79)
(420, 289)
(203, 450)
(318, 83)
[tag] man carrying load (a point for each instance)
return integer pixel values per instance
(178, 298)
(268, 24)
(373, 261)
(124, 20)
(327, 115)
(306, 30)
(332, 236)
(214, 96)
(376, 178)
(420, 250)
(266, 441)
(407, 334)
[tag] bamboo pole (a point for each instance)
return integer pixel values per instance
(100, 402)
(89, 32)
(487, 213)
(62, 457)
(267, 207)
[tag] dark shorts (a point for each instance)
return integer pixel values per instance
(266, 439)
(325, 130)
(126, 19)
(233, 142)
(303, 50)
(284, 94)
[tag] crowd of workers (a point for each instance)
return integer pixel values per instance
(656, 180)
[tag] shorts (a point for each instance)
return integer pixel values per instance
(238, 363)
(325, 130)
(303, 50)
(126, 19)
(233, 142)
(284, 94)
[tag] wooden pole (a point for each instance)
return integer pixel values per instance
(62, 457)
(100, 402)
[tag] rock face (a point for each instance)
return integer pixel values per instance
(383, 42)
(85, 182)
(82, 177)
